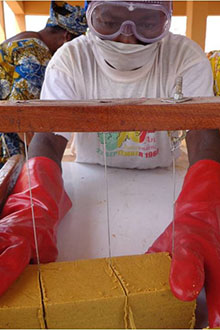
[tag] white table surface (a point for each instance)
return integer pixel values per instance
(140, 207)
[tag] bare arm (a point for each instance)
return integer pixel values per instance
(203, 144)
(47, 145)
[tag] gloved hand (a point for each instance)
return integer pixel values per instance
(51, 203)
(196, 252)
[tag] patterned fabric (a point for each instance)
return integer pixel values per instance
(214, 58)
(10, 145)
(70, 18)
(22, 68)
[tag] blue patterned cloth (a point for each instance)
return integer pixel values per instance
(70, 18)
(10, 145)
(23, 64)
(22, 68)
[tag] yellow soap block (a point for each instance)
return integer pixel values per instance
(122, 292)
(82, 294)
(20, 306)
(151, 305)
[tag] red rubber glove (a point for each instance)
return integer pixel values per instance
(196, 255)
(51, 203)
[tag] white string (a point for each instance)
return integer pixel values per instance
(175, 143)
(107, 199)
(31, 200)
(174, 200)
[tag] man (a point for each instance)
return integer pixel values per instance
(129, 52)
(23, 60)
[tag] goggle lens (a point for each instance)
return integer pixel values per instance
(110, 19)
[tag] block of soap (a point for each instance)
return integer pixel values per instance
(122, 292)
(20, 306)
(117, 293)
(82, 294)
(151, 304)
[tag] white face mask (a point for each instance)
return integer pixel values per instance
(123, 57)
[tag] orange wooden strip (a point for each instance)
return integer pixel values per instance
(108, 115)
(8, 176)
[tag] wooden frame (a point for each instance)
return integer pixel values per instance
(108, 115)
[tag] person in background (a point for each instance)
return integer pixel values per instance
(24, 58)
(214, 58)
(127, 53)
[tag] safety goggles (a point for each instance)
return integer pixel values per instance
(148, 22)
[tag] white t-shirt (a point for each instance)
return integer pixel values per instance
(78, 71)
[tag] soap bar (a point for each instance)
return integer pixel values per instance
(151, 304)
(82, 294)
(110, 293)
(20, 305)
(116, 293)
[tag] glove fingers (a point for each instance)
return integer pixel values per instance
(187, 273)
(15, 254)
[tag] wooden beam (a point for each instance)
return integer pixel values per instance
(197, 12)
(16, 6)
(37, 7)
(214, 8)
(43, 7)
(179, 8)
(2, 23)
(108, 115)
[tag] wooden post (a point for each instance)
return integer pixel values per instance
(2, 23)
(18, 9)
(20, 25)
(197, 12)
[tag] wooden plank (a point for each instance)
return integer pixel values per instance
(37, 7)
(8, 176)
(2, 23)
(179, 8)
(42, 7)
(16, 6)
(214, 8)
(108, 115)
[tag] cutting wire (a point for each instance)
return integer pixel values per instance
(107, 197)
(32, 203)
(175, 143)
